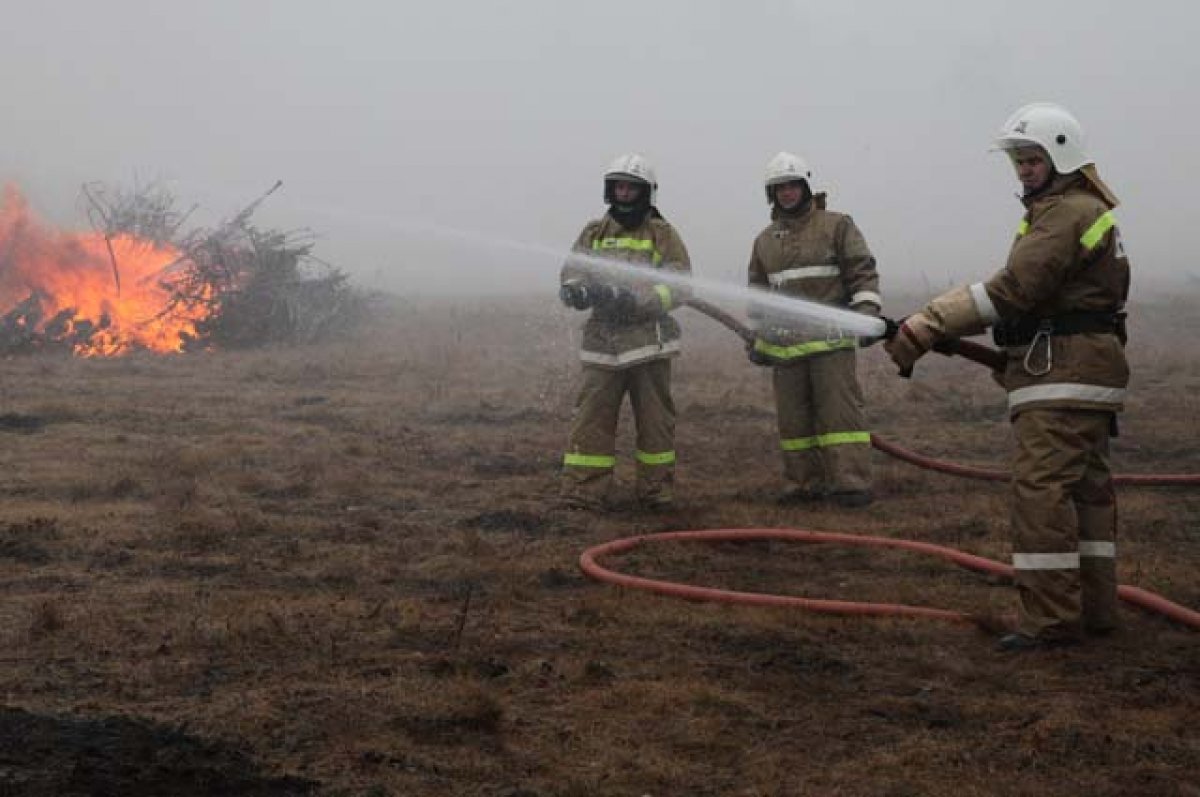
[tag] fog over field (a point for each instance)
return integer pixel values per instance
(411, 134)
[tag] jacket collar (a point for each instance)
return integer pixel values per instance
(1058, 185)
(804, 213)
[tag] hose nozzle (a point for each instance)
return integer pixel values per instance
(890, 330)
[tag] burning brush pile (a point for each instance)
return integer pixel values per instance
(137, 282)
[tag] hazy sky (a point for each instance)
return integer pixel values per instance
(392, 122)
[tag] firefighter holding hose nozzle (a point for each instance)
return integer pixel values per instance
(628, 340)
(1057, 311)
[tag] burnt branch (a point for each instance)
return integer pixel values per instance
(234, 285)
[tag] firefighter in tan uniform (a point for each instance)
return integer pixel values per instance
(1057, 308)
(815, 254)
(628, 340)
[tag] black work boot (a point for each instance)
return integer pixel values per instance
(1022, 643)
(657, 502)
(1101, 630)
(799, 495)
(578, 502)
(852, 499)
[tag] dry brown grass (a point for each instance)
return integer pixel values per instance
(345, 562)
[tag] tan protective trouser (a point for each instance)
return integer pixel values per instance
(1064, 520)
(826, 445)
(590, 458)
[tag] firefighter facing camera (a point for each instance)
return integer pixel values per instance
(1057, 310)
(819, 255)
(629, 339)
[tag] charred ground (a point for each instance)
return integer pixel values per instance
(339, 570)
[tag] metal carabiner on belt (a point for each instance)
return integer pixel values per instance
(1044, 331)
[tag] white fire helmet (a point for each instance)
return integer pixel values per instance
(1051, 127)
(633, 167)
(786, 168)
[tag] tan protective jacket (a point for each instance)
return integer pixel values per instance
(1067, 258)
(818, 255)
(614, 340)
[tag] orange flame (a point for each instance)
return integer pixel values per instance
(72, 277)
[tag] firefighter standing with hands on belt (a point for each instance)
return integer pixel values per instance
(628, 340)
(1057, 309)
(815, 254)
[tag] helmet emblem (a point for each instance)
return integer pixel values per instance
(1020, 126)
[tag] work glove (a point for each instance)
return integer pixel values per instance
(757, 357)
(575, 293)
(915, 336)
(618, 299)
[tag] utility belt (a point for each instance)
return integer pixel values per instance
(1024, 330)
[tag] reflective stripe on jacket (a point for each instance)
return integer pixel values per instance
(614, 339)
(818, 255)
(1067, 258)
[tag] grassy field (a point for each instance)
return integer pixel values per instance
(341, 571)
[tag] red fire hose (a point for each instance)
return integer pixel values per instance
(987, 474)
(588, 560)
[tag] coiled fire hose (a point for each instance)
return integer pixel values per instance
(589, 563)
(589, 559)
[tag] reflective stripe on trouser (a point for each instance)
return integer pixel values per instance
(821, 426)
(594, 430)
(1064, 518)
